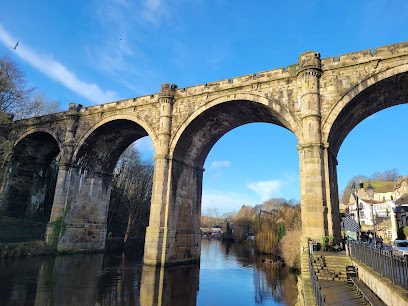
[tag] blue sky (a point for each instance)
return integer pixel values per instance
(93, 52)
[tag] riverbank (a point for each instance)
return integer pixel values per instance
(25, 249)
(38, 248)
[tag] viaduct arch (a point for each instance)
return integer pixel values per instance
(319, 100)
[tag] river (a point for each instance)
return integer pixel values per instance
(228, 274)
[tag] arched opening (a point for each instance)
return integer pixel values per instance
(189, 155)
(130, 199)
(381, 95)
(94, 161)
(100, 151)
(208, 127)
(360, 137)
(28, 189)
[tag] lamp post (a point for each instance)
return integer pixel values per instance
(354, 189)
(370, 191)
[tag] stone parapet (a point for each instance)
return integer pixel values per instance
(388, 292)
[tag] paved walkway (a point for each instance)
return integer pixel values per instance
(339, 293)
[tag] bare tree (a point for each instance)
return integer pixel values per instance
(21, 172)
(132, 188)
(39, 105)
(14, 93)
(389, 175)
(345, 196)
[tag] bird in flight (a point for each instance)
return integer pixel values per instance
(15, 47)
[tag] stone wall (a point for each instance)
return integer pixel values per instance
(320, 100)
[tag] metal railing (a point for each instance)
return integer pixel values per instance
(384, 262)
(317, 289)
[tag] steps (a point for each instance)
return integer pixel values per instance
(332, 268)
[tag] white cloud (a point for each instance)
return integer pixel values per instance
(266, 189)
(58, 71)
(224, 201)
(220, 164)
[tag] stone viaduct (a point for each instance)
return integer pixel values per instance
(319, 100)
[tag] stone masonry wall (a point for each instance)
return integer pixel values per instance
(319, 100)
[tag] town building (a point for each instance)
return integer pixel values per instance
(386, 210)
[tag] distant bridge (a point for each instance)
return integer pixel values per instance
(318, 100)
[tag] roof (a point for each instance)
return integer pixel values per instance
(368, 201)
(380, 186)
(402, 200)
(374, 201)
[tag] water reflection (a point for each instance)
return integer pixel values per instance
(169, 286)
(229, 274)
(239, 276)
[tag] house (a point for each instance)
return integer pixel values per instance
(389, 206)
(371, 211)
(216, 230)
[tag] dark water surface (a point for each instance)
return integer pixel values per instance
(227, 275)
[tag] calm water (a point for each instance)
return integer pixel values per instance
(227, 275)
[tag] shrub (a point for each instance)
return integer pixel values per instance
(290, 248)
(324, 243)
(402, 233)
(25, 249)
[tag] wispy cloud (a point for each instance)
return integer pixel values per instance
(266, 189)
(224, 201)
(58, 72)
(125, 39)
(154, 10)
(220, 164)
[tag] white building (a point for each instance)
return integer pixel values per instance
(370, 210)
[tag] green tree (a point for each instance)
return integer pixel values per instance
(281, 231)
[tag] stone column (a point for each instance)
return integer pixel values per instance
(81, 200)
(311, 149)
(332, 195)
(173, 235)
(159, 236)
(62, 188)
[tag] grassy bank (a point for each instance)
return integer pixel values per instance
(19, 230)
(25, 249)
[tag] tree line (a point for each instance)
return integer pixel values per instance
(276, 223)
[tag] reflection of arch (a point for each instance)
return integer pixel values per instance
(104, 142)
(214, 119)
(35, 130)
(385, 89)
